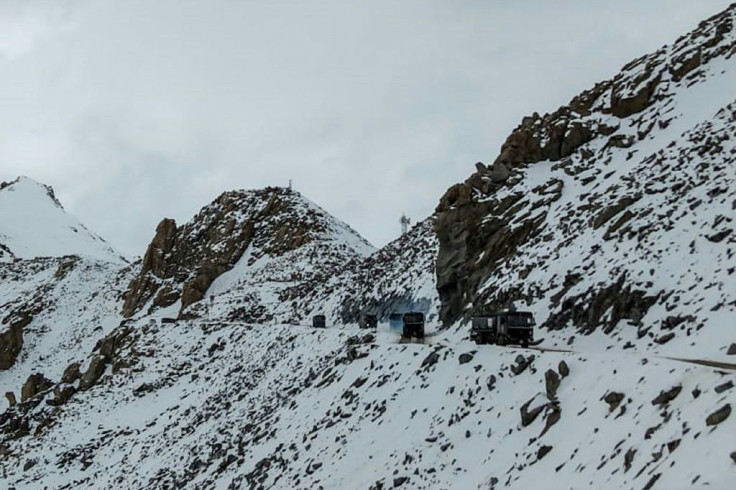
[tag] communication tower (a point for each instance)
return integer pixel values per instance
(405, 222)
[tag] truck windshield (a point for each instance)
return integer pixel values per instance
(520, 321)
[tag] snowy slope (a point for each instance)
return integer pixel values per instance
(210, 405)
(33, 223)
(612, 218)
(69, 304)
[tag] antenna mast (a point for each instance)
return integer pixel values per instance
(405, 222)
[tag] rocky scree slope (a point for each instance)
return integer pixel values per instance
(59, 284)
(260, 246)
(614, 214)
(219, 405)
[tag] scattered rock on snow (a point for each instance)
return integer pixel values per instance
(522, 363)
(667, 396)
(551, 383)
(732, 350)
(431, 359)
(719, 415)
(563, 369)
(543, 451)
(465, 357)
(725, 386)
(613, 399)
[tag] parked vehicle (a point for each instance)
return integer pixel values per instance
(510, 327)
(369, 321)
(319, 321)
(413, 325)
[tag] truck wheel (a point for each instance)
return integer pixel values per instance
(501, 340)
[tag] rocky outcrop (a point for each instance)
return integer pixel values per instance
(182, 262)
(35, 384)
(490, 226)
(11, 340)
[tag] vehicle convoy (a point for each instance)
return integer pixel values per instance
(369, 321)
(319, 321)
(510, 327)
(413, 325)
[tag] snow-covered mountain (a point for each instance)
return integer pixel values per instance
(252, 250)
(33, 223)
(611, 219)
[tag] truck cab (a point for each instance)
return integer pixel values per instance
(510, 327)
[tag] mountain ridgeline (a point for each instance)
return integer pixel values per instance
(611, 219)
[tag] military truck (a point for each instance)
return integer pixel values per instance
(413, 325)
(510, 327)
(319, 321)
(369, 321)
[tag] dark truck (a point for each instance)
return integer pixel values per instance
(413, 325)
(511, 327)
(369, 321)
(319, 321)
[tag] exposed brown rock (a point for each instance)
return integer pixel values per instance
(71, 373)
(10, 396)
(94, 372)
(11, 341)
(35, 384)
(719, 415)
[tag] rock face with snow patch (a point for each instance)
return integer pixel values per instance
(254, 226)
(612, 205)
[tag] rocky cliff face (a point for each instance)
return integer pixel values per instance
(604, 212)
(271, 224)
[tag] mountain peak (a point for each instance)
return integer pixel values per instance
(33, 223)
(272, 228)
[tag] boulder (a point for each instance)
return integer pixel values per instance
(35, 384)
(11, 398)
(465, 357)
(667, 396)
(551, 383)
(724, 387)
(62, 394)
(431, 359)
(71, 373)
(94, 372)
(529, 416)
(613, 399)
(719, 415)
(731, 350)
(522, 363)
(563, 369)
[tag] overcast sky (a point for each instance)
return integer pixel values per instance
(135, 110)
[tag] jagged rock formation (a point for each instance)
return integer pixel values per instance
(605, 210)
(182, 263)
